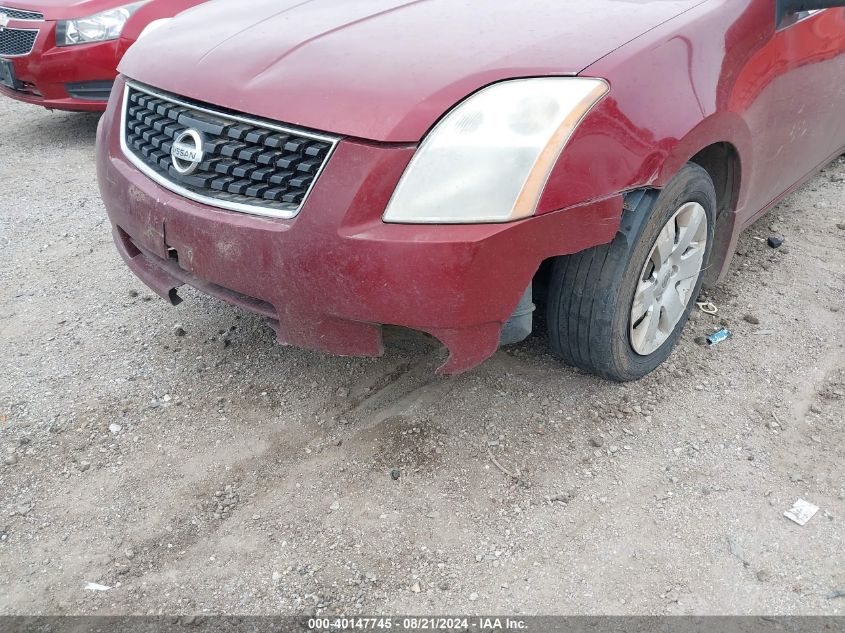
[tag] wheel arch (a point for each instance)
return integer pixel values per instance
(723, 163)
(722, 146)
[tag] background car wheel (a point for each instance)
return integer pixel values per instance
(617, 310)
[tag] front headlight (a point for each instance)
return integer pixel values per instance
(101, 27)
(488, 160)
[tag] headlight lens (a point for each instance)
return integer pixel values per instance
(95, 28)
(488, 160)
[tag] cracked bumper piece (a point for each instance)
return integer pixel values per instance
(331, 277)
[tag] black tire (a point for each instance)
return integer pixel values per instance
(591, 292)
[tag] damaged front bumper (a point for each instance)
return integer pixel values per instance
(331, 277)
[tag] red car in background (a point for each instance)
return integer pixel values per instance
(63, 54)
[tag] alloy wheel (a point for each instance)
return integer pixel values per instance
(668, 278)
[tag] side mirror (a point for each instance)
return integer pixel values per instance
(790, 7)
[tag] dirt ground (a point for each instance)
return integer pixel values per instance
(217, 472)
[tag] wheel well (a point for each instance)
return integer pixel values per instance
(721, 161)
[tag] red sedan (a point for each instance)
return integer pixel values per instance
(337, 166)
(63, 54)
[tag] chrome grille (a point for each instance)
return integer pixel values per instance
(21, 14)
(247, 165)
(15, 42)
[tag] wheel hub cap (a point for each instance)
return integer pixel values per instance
(668, 278)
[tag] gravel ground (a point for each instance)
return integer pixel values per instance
(200, 468)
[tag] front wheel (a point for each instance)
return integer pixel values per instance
(617, 310)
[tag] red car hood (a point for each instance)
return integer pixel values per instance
(64, 9)
(384, 70)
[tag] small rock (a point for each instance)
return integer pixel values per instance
(764, 575)
(750, 318)
(10, 460)
(416, 588)
(178, 330)
(343, 392)
(563, 497)
(774, 242)
(736, 550)
(473, 597)
(395, 474)
(129, 553)
(814, 408)
(701, 340)
(133, 293)
(597, 441)
(115, 428)
(841, 226)
(277, 577)
(83, 466)
(334, 507)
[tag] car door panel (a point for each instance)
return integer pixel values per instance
(798, 74)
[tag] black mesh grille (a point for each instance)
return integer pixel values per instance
(17, 41)
(21, 14)
(243, 164)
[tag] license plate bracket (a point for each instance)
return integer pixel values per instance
(7, 74)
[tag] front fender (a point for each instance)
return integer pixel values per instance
(672, 94)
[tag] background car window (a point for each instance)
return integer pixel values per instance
(797, 17)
